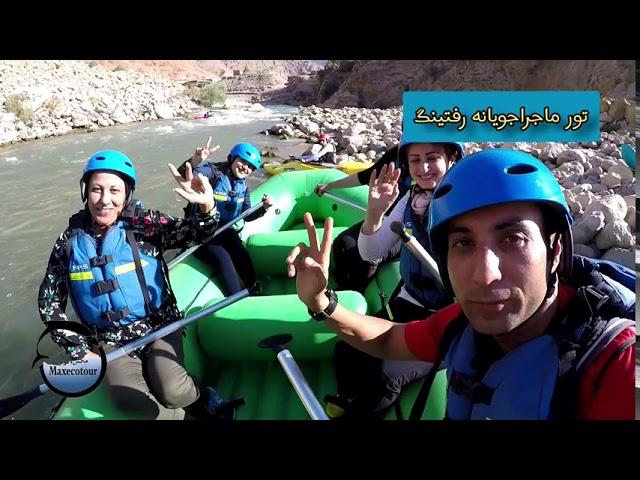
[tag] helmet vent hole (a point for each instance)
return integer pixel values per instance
(128, 164)
(443, 190)
(100, 158)
(521, 169)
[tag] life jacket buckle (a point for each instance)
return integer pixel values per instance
(107, 286)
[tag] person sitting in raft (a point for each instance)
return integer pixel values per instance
(326, 153)
(109, 262)
(225, 252)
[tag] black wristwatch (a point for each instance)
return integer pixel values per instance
(327, 312)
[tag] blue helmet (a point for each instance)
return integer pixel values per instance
(112, 160)
(494, 177)
(246, 152)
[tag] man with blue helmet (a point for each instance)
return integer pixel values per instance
(536, 332)
(225, 253)
(351, 271)
(109, 263)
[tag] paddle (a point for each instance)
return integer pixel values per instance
(219, 230)
(293, 372)
(418, 250)
(335, 197)
(11, 404)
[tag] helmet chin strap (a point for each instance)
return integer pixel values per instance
(552, 277)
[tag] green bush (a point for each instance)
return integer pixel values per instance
(208, 95)
(13, 104)
(52, 104)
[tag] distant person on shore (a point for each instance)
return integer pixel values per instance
(225, 252)
(326, 153)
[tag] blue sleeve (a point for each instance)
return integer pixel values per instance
(205, 169)
(246, 205)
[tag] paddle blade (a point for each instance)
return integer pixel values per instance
(11, 404)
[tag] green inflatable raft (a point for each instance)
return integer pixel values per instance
(222, 348)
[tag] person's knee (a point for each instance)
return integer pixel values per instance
(346, 241)
(395, 375)
(174, 393)
(132, 402)
(214, 252)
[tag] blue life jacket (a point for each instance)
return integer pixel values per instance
(540, 378)
(229, 199)
(111, 282)
(418, 280)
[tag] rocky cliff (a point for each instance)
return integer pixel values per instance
(273, 73)
(380, 83)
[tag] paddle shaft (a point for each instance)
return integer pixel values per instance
(11, 404)
(293, 372)
(189, 251)
(418, 251)
(172, 327)
(335, 197)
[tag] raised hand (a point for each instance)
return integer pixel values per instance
(383, 190)
(310, 264)
(193, 189)
(202, 153)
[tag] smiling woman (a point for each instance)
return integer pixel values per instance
(370, 394)
(225, 253)
(109, 262)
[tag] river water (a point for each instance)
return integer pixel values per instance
(40, 190)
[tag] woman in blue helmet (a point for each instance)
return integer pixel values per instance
(351, 271)
(225, 253)
(366, 384)
(536, 332)
(109, 263)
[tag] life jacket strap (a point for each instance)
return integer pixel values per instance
(114, 316)
(138, 264)
(477, 392)
(100, 260)
(106, 286)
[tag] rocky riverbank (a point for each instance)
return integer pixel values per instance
(598, 185)
(46, 98)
